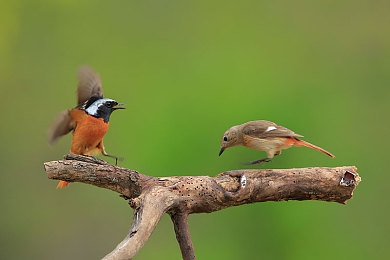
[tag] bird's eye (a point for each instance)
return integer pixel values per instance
(109, 104)
(225, 138)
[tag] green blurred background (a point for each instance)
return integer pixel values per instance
(187, 71)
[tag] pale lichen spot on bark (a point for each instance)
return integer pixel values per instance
(243, 181)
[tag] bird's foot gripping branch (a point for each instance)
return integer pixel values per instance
(152, 197)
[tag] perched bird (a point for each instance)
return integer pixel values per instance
(89, 120)
(265, 136)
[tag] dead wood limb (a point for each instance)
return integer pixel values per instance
(149, 207)
(180, 224)
(179, 196)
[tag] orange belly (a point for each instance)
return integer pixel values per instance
(266, 144)
(88, 133)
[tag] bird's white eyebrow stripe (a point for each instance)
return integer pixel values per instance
(270, 128)
(92, 109)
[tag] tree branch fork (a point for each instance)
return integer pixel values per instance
(179, 196)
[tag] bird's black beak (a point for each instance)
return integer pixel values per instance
(119, 106)
(221, 151)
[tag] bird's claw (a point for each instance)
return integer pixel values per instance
(258, 161)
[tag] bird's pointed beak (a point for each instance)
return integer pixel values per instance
(119, 106)
(221, 151)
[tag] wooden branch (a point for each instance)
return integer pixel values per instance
(149, 208)
(180, 224)
(179, 196)
(90, 170)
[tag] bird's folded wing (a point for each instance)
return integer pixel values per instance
(266, 129)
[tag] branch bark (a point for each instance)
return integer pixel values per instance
(180, 224)
(149, 207)
(179, 196)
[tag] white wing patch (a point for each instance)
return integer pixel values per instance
(270, 128)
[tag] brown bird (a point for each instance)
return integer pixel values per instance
(89, 120)
(265, 136)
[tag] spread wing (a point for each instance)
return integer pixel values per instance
(62, 125)
(89, 85)
(266, 129)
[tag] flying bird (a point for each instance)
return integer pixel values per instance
(89, 120)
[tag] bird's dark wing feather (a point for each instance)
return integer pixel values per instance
(62, 125)
(266, 129)
(89, 85)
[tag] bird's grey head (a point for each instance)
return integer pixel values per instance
(101, 107)
(230, 138)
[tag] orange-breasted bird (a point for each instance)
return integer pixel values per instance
(265, 136)
(89, 120)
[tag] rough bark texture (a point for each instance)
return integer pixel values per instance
(152, 197)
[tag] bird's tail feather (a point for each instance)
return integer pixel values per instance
(307, 144)
(62, 184)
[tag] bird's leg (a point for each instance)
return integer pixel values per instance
(101, 147)
(270, 154)
(112, 156)
(86, 158)
(260, 161)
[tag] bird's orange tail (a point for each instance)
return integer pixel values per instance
(62, 184)
(298, 142)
